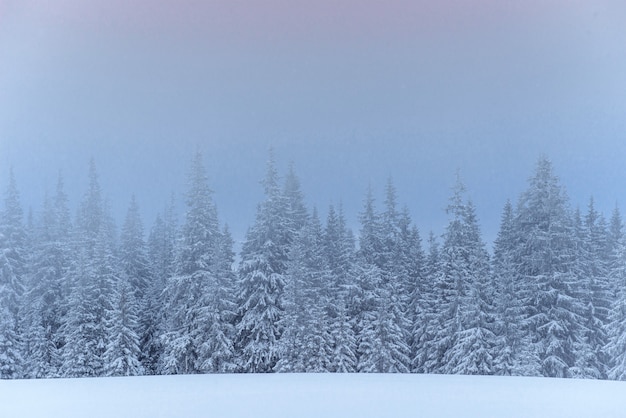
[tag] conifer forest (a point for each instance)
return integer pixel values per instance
(80, 297)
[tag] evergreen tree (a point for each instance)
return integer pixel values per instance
(161, 254)
(472, 352)
(92, 278)
(339, 255)
(426, 304)
(594, 295)
(307, 344)
(381, 323)
(512, 353)
(122, 354)
(135, 268)
(545, 255)
(12, 271)
(192, 321)
(46, 299)
(616, 327)
(264, 259)
(463, 339)
(218, 351)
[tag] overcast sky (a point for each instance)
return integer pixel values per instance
(351, 91)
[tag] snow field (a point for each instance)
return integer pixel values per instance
(312, 395)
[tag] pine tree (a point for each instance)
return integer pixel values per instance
(135, 267)
(545, 256)
(381, 323)
(161, 254)
(427, 312)
(594, 294)
(122, 355)
(512, 353)
(218, 351)
(616, 327)
(463, 338)
(12, 271)
(264, 258)
(339, 254)
(307, 344)
(79, 327)
(91, 279)
(192, 319)
(472, 352)
(45, 301)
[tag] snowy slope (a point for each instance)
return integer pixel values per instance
(312, 395)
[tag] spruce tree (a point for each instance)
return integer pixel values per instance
(12, 272)
(339, 254)
(122, 355)
(427, 306)
(46, 298)
(264, 258)
(545, 255)
(192, 320)
(135, 268)
(512, 352)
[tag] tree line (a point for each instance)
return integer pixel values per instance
(78, 298)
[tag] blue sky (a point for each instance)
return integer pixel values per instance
(351, 92)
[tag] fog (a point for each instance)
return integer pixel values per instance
(350, 92)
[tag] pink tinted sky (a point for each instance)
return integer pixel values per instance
(413, 89)
(321, 20)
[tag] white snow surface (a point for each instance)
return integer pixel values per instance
(312, 395)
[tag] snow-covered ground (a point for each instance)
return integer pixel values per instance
(312, 395)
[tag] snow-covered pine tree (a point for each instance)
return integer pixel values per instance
(616, 328)
(161, 255)
(12, 271)
(545, 254)
(218, 352)
(91, 278)
(307, 298)
(463, 340)
(136, 271)
(79, 328)
(410, 265)
(594, 294)
(472, 351)
(264, 258)
(122, 355)
(46, 298)
(513, 355)
(192, 321)
(615, 239)
(402, 261)
(381, 330)
(426, 304)
(339, 255)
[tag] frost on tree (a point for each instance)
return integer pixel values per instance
(464, 338)
(197, 336)
(45, 302)
(264, 259)
(12, 271)
(545, 255)
(381, 326)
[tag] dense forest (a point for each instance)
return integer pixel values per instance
(80, 298)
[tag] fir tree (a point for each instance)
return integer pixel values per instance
(122, 354)
(545, 256)
(512, 352)
(264, 259)
(12, 272)
(192, 321)
(136, 269)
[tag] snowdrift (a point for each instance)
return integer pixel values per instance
(312, 395)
